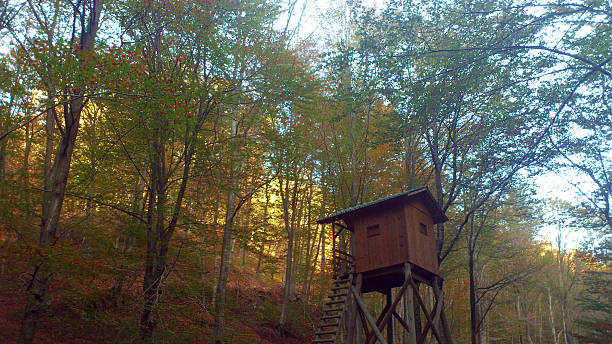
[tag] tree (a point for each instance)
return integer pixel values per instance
(500, 231)
(595, 301)
(66, 87)
(263, 73)
(291, 160)
(179, 66)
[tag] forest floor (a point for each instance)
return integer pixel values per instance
(83, 310)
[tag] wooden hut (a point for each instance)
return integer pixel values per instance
(391, 231)
(393, 244)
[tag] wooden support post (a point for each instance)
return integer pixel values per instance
(390, 309)
(333, 237)
(439, 300)
(410, 305)
(364, 325)
(334, 259)
(358, 321)
(390, 319)
(363, 322)
(367, 315)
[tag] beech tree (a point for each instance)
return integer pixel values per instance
(65, 79)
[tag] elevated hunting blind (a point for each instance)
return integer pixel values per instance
(392, 244)
(389, 232)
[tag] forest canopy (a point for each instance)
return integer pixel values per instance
(163, 164)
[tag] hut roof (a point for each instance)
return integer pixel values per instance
(421, 193)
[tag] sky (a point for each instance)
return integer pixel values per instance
(554, 186)
(311, 16)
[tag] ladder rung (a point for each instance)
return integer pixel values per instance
(330, 317)
(323, 333)
(342, 281)
(337, 295)
(333, 340)
(333, 302)
(333, 309)
(334, 324)
(339, 288)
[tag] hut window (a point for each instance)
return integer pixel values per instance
(373, 230)
(423, 228)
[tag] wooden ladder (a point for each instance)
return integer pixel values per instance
(334, 310)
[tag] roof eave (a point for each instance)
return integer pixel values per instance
(438, 215)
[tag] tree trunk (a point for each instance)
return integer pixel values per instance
(527, 323)
(154, 263)
(565, 322)
(552, 318)
(38, 288)
(224, 268)
(158, 234)
(56, 180)
(411, 154)
(4, 126)
(49, 132)
(298, 244)
(216, 248)
(474, 316)
(445, 333)
(541, 320)
(265, 226)
(226, 249)
(248, 230)
(482, 331)
(260, 254)
(3, 158)
(310, 241)
(289, 220)
(287, 285)
(323, 239)
(26, 162)
(519, 319)
(312, 269)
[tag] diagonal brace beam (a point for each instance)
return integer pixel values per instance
(429, 324)
(426, 312)
(389, 312)
(364, 310)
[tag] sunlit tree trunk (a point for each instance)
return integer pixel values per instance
(26, 161)
(226, 249)
(265, 227)
(288, 191)
(56, 180)
(552, 317)
(247, 219)
(216, 247)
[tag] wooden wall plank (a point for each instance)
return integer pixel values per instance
(398, 239)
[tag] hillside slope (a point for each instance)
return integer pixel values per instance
(85, 310)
